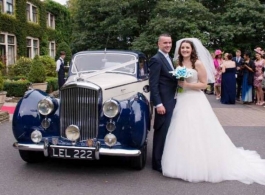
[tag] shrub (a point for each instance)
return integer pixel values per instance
(11, 72)
(22, 66)
(52, 84)
(16, 88)
(1, 82)
(49, 65)
(64, 47)
(37, 72)
(2, 68)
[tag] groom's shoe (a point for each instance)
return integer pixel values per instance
(158, 169)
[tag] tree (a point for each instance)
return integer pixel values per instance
(100, 24)
(66, 48)
(180, 19)
(241, 26)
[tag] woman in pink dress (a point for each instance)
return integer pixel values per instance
(258, 77)
(217, 64)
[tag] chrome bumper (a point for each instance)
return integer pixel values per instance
(100, 151)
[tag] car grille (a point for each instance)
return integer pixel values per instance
(79, 106)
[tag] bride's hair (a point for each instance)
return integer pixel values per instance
(193, 57)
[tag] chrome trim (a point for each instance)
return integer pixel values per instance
(46, 147)
(29, 147)
(118, 152)
(99, 151)
(88, 85)
(73, 147)
(79, 106)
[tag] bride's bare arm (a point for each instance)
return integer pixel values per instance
(202, 78)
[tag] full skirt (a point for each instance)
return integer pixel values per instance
(197, 148)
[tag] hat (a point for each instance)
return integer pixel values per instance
(218, 52)
(259, 51)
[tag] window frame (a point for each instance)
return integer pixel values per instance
(31, 48)
(50, 24)
(5, 5)
(54, 49)
(6, 58)
(32, 16)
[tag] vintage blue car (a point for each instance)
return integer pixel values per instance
(103, 109)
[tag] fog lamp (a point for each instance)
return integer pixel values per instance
(36, 136)
(110, 126)
(72, 132)
(110, 140)
(45, 123)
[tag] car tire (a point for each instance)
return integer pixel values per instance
(32, 156)
(138, 163)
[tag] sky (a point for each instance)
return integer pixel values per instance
(63, 2)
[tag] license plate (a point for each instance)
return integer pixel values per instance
(72, 153)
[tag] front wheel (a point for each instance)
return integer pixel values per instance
(32, 156)
(138, 163)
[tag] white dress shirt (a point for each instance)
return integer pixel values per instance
(168, 58)
(58, 64)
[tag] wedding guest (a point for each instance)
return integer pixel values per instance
(248, 68)
(226, 56)
(228, 82)
(258, 76)
(217, 64)
(239, 73)
(60, 69)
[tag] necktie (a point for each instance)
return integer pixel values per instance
(170, 62)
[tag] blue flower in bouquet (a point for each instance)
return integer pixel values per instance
(181, 73)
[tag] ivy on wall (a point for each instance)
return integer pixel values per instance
(19, 26)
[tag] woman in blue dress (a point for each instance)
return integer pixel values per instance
(248, 68)
(228, 85)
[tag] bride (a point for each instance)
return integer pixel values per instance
(197, 148)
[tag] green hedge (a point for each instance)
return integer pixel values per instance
(16, 88)
(52, 84)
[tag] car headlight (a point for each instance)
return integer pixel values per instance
(111, 108)
(72, 132)
(45, 106)
(36, 136)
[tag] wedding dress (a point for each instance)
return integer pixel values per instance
(197, 148)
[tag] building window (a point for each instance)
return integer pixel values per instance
(50, 20)
(1, 6)
(32, 47)
(32, 13)
(7, 6)
(52, 49)
(7, 48)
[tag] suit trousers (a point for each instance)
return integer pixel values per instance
(159, 138)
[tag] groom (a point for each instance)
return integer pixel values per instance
(163, 88)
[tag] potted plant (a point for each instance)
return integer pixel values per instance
(37, 75)
(2, 93)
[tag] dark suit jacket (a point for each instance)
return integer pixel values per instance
(238, 64)
(162, 84)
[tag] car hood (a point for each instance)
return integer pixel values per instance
(106, 80)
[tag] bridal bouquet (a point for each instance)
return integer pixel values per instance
(181, 73)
